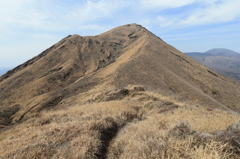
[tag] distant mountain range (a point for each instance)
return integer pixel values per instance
(224, 61)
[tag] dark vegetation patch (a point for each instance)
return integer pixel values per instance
(23, 115)
(212, 73)
(6, 115)
(169, 106)
(214, 91)
(180, 58)
(52, 71)
(52, 103)
(107, 134)
(231, 136)
(102, 64)
(132, 36)
(118, 95)
(181, 130)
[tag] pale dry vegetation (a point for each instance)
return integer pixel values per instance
(84, 98)
(137, 124)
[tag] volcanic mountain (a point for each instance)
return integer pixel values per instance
(224, 61)
(71, 100)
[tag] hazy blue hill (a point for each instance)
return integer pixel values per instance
(222, 52)
(224, 61)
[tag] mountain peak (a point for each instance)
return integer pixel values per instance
(77, 98)
(127, 54)
(128, 29)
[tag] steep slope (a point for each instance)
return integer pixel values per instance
(120, 94)
(28, 85)
(125, 55)
(223, 61)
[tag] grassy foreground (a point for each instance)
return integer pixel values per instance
(128, 124)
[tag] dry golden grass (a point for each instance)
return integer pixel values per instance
(72, 101)
(140, 125)
(77, 128)
(150, 139)
(201, 119)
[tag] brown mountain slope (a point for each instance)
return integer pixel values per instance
(122, 56)
(93, 97)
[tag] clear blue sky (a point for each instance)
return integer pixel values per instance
(28, 27)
